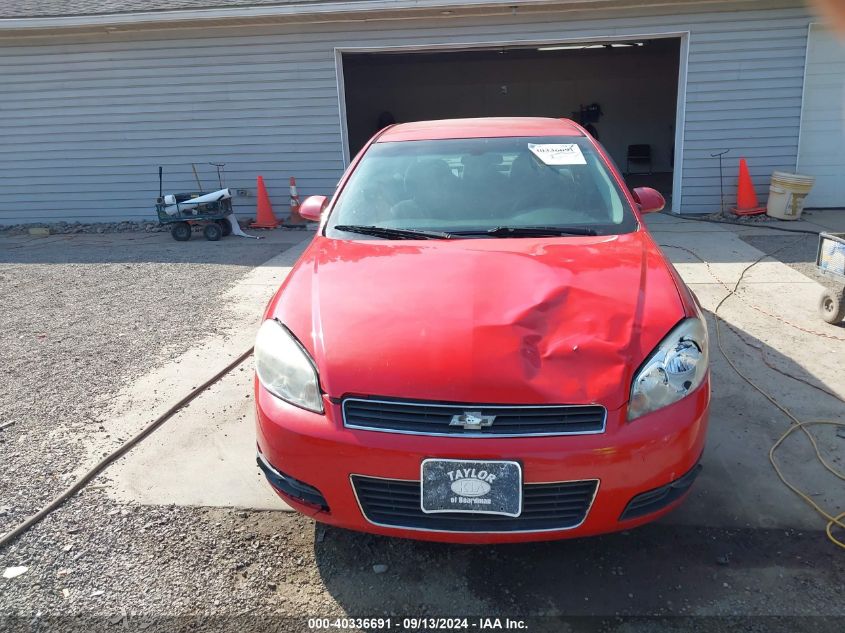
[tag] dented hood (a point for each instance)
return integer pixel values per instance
(527, 321)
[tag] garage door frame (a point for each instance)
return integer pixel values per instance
(804, 93)
(801, 131)
(680, 114)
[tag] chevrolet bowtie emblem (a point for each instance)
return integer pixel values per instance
(472, 420)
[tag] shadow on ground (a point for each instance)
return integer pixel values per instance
(741, 545)
(657, 570)
(796, 252)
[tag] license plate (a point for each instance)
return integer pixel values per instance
(474, 487)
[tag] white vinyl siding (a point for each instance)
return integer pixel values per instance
(86, 120)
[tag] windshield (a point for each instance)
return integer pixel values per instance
(482, 185)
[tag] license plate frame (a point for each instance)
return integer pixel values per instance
(502, 497)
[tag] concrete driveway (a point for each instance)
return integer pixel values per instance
(205, 455)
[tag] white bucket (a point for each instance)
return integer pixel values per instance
(787, 194)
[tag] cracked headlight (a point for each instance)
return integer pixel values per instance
(676, 368)
(285, 369)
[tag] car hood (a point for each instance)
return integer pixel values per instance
(510, 321)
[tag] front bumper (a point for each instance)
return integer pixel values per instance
(627, 460)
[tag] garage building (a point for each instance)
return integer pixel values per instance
(95, 96)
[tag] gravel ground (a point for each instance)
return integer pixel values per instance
(199, 569)
(110, 307)
(79, 227)
(83, 315)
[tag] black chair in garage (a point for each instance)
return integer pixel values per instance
(638, 154)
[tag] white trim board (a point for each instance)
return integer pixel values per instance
(361, 9)
(822, 122)
(810, 27)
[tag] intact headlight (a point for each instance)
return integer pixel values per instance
(284, 367)
(673, 371)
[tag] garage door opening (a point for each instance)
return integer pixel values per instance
(626, 93)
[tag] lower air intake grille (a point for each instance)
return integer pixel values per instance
(396, 503)
(657, 499)
(294, 488)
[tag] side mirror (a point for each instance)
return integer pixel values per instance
(313, 206)
(650, 200)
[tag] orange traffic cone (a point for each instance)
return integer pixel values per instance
(264, 216)
(746, 197)
(295, 203)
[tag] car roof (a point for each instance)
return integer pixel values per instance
(480, 128)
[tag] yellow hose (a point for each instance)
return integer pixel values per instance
(832, 520)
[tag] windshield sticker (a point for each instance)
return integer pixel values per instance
(558, 153)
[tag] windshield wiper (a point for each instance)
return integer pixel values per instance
(538, 231)
(393, 234)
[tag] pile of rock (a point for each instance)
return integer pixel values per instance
(79, 227)
(54, 228)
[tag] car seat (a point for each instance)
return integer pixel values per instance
(535, 186)
(430, 186)
(482, 185)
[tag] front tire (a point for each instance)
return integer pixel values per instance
(212, 232)
(226, 226)
(181, 231)
(832, 305)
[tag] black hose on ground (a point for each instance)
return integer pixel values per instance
(119, 452)
(709, 219)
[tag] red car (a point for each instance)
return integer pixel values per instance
(482, 344)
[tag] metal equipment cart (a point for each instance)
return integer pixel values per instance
(212, 215)
(830, 260)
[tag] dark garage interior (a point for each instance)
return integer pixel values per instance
(625, 92)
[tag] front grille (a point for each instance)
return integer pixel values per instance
(427, 418)
(396, 503)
